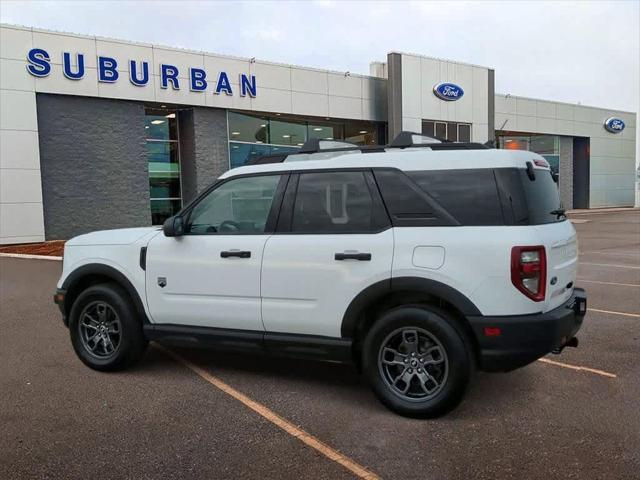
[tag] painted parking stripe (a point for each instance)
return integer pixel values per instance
(578, 368)
(624, 314)
(581, 280)
(612, 265)
(306, 438)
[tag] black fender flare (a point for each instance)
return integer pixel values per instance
(403, 284)
(103, 270)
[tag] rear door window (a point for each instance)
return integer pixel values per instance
(337, 202)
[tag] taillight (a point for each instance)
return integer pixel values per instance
(529, 271)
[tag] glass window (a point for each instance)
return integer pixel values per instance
(163, 156)
(336, 202)
(326, 131)
(163, 209)
(160, 125)
(441, 130)
(279, 134)
(470, 196)
(288, 133)
(360, 133)
(428, 128)
(239, 206)
(526, 201)
(248, 128)
(464, 132)
(452, 132)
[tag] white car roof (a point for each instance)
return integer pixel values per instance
(407, 160)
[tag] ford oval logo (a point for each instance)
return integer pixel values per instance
(614, 125)
(448, 91)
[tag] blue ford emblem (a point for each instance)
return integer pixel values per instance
(448, 91)
(614, 125)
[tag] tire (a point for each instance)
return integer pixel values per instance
(106, 310)
(435, 385)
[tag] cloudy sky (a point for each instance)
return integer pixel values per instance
(585, 52)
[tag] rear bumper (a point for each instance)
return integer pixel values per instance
(523, 339)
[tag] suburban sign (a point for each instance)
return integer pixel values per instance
(448, 91)
(614, 125)
(73, 68)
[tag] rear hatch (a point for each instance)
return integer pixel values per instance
(556, 233)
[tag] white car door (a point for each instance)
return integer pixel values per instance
(333, 240)
(210, 275)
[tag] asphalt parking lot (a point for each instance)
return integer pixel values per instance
(579, 418)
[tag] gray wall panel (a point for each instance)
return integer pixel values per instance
(94, 164)
(566, 172)
(211, 145)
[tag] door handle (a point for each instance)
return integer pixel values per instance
(363, 257)
(235, 253)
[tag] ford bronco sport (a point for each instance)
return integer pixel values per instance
(419, 262)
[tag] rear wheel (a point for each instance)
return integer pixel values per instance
(105, 331)
(416, 361)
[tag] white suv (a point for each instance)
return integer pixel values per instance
(418, 263)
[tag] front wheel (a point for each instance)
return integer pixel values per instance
(416, 361)
(105, 331)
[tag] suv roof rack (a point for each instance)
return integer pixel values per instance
(407, 139)
(323, 149)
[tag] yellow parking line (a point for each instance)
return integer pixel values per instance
(576, 367)
(589, 309)
(288, 427)
(609, 283)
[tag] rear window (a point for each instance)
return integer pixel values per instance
(526, 201)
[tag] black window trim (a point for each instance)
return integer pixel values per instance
(272, 217)
(285, 220)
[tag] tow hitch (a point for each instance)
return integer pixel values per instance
(572, 342)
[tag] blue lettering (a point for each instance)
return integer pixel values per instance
(107, 69)
(39, 65)
(198, 82)
(247, 85)
(133, 73)
(169, 72)
(66, 66)
(223, 84)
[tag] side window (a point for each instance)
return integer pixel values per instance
(336, 202)
(470, 196)
(239, 206)
(408, 205)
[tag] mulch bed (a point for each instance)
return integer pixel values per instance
(53, 248)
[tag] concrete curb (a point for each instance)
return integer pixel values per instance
(29, 257)
(602, 210)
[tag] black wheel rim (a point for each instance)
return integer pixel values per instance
(413, 364)
(100, 330)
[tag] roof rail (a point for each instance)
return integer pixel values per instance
(412, 140)
(314, 145)
(407, 139)
(316, 148)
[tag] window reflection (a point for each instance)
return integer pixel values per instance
(546, 145)
(161, 130)
(251, 136)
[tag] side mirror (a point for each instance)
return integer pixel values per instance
(555, 176)
(173, 226)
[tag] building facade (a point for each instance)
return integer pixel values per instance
(100, 133)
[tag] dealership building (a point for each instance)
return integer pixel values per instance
(99, 133)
